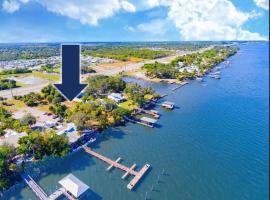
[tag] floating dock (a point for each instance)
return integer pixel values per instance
(128, 170)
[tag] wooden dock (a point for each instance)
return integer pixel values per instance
(34, 186)
(179, 86)
(112, 165)
(149, 112)
(128, 170)
(40, 192)
(137, 178)
(138, 122)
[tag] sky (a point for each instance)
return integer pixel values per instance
(132, 20)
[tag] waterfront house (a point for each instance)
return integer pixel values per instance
(70, 131)
(49, 124)
(117, 97)
(73, 186)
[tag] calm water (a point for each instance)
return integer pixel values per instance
(214, 146)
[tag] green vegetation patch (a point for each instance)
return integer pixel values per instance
(202, 61)
(129, 105)
(125, 53)
(47, 76)
(7, 84)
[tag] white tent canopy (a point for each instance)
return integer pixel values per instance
(74, 185)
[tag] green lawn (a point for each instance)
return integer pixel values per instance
(46, 76)
(8, 75)
(129, 105)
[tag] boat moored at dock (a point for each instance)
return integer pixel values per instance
(168, 105)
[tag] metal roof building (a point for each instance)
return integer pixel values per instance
(73, 185)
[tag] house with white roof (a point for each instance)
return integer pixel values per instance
(70, 131)
(117, 97)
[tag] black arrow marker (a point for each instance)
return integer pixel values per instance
(70, 86)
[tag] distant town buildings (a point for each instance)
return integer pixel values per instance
(35, 64)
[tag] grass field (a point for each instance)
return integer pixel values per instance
(15, 105)
(129, 105)
(8, 75)
(46, 76)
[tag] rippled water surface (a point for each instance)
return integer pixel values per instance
(214, 146)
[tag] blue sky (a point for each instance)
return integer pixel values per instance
(132, 20)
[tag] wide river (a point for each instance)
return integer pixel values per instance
(213, 146)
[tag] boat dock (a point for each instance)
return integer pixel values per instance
(128, 170)
(40, 192)
(179, 86)
(34, 186)
(153, 113)
(112, 165)
(139, 122)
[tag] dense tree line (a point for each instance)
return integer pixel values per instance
(43, 144)
(7, 84)
(52, 95)
(93, 114)
(31, 99)
(27, 52)
(15, 71)
(125, 53)
(204, 61)
(8, 122)
(7, 175)
(100, 85)
(48, 94)
(138, 93)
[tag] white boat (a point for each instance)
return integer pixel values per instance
(216, 76)
(168, 105)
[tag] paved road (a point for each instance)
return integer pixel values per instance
(109, 72)
(21, 90)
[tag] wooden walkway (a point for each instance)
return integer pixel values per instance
(128, 170)
(40, 192)
(34, 186)
(138, 122)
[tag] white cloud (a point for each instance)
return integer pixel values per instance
(207, 19)
(262, 4)
(130, 28)
(10, 6)
(88, 12)
(195, 19)
(129, 7)
(155, 27)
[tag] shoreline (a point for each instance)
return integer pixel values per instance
(168, 81)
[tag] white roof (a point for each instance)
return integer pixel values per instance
(73, 185)
(116, 95)
(150, 120)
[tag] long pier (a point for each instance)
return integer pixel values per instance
(128, 170)
(40, 192)
(34, 186)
